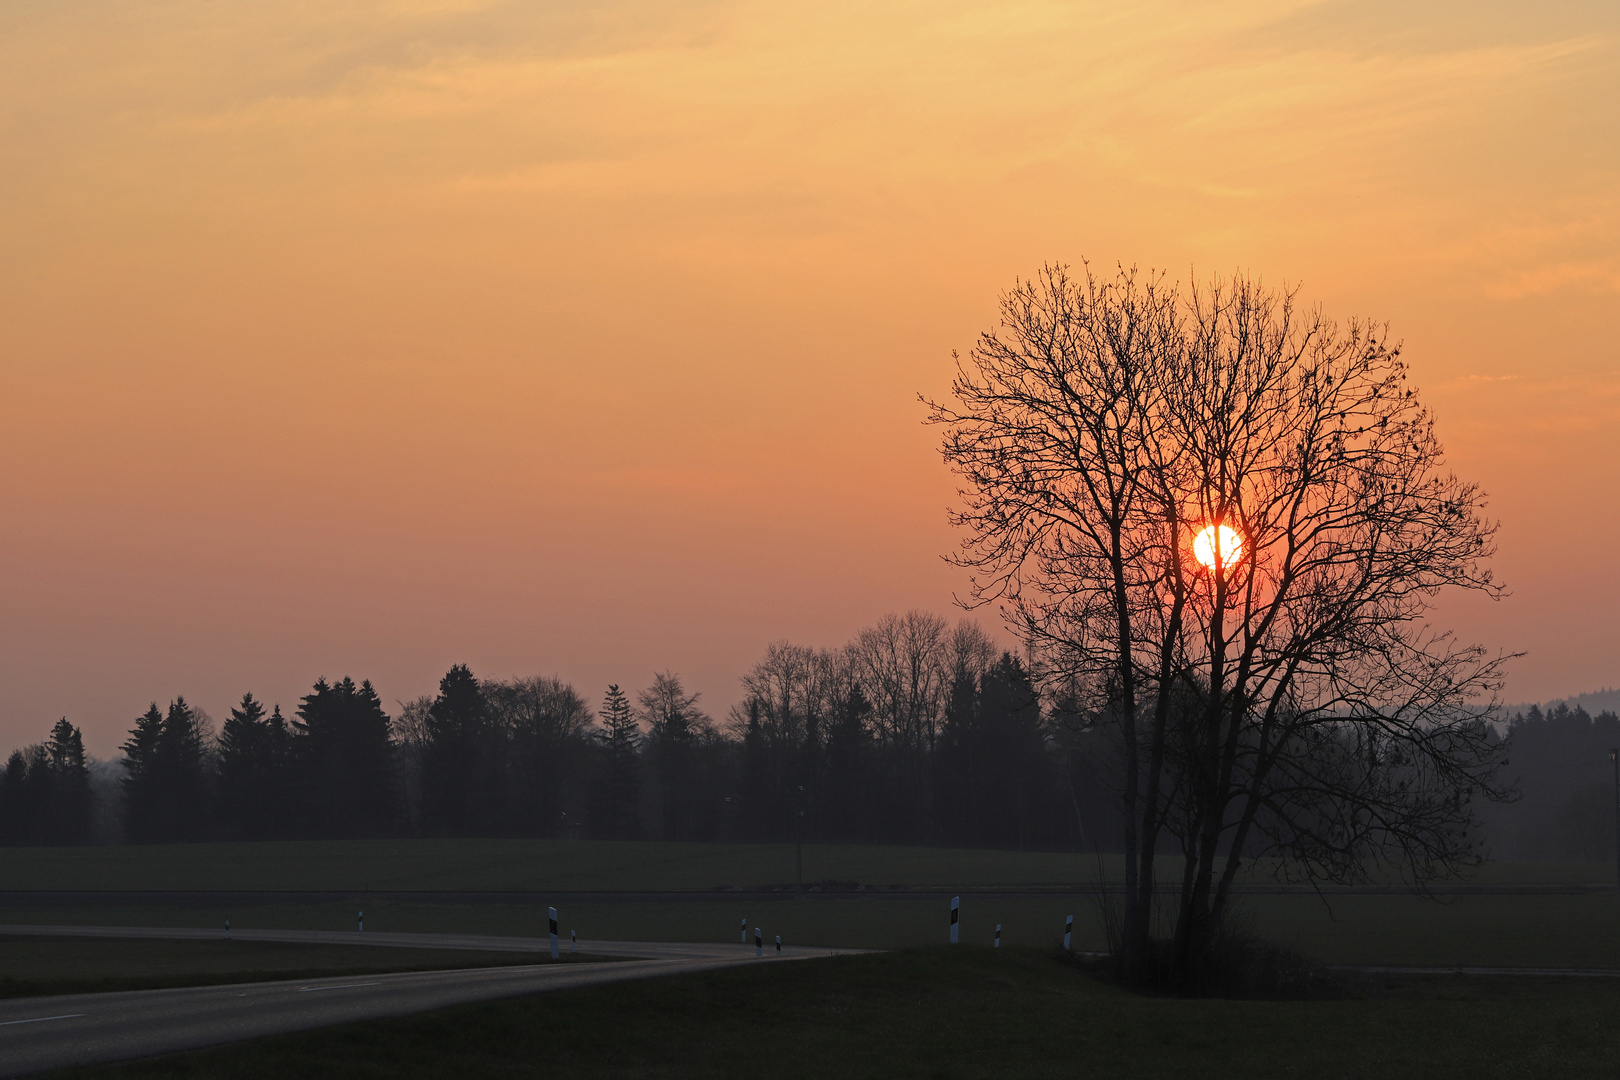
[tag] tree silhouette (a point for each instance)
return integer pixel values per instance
(166, 776)
(675, 727)
(460, 780)
(69, 802)
(1288, 699)
(344, 762)
(620, 791)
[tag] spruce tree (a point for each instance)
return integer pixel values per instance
(182, 771)
(69, 821)
(244, 771)
(142, 778)
(621, 791)
(345, 762)
(460, 781)
(21, 809)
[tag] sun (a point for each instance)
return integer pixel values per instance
(1229, 546)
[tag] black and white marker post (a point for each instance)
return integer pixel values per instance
(1068, 929)
(779, 945)
(551, 913)
(759, 942)
(227, 928)
(997, 945)
(745, 930)
(360, 921)
(956, 913)
(573, 941)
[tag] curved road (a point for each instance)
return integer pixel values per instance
(48, 1032)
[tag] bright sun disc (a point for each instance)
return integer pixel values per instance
(1230, 545)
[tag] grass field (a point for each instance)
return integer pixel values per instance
(586, 866)
(1515, 929)
(1511, 930)
(31, 966)
(963, 1013)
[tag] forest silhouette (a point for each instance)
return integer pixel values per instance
(915, 732)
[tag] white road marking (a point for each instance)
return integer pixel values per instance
(345, 986)
(41, 1019)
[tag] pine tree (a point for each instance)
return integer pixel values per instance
(460, 785)
(244, 771)
(621, 791)
(141, 778)
(182, 766)
(70, 785)
(24, 794)
(344, 756)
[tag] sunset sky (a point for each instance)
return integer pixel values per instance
(366, 338)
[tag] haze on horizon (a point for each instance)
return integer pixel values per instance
(367, 338)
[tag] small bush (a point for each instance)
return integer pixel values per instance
(1238, 963)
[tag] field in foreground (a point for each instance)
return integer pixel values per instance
(942, 1013)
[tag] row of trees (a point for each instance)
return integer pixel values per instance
(916, 731)
(45, 791)
(1559, 762)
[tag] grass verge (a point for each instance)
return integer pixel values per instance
(958, 1014)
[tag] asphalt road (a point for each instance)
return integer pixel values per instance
(49, 1032)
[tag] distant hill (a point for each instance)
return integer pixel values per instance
(1594, 703)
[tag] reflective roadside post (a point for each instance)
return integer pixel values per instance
(956, 912)
(551, 913)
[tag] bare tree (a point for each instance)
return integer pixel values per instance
(542, 725)
(1228, 519)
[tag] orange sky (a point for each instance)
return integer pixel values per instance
(553, 337)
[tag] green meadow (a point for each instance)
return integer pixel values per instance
(1513, 928)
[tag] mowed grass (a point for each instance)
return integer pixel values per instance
(944, 1013)
(1557, 930)
(31, 966)
(596, 866)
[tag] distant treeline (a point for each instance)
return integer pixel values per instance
(1559, 759)
(914, 732)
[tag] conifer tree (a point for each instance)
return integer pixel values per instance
(69, 805)
(460, 782)
(245, 768)
(345, 762)
(142, 778)
(621, 791)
